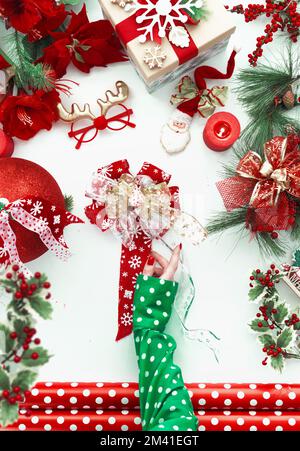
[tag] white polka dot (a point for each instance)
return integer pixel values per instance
(74, 384)
(145, 277)
(149, 311)
(227, 428)
(48, 384)
(266, 421)
(253, 402)
(240, 421)
(112, 393)
(125, 385)
(278, 413)
(147, 405)
(172, 408)
(241, 395)
(99, 384)
(73, 427)
(253, 386)
(214, 421)
(201, 385)
(162, 281)
(60, 420)
(227, 413)
(48, 411)
(34, 392)
(174, 393)
(86, 420)
(168, 294)
(253, 428)
(147, 373)
(152, 358)
(202, 402)
(252, 413)
(191, 394)
(156, 322)
(137, 420)
(34, 420)
(74, 412)
(73, 400)
(158, 302)
(151, 290)
(22, 427)
(47, 400)
(292, 395)
(99, 400)
(227, 386)
(278, 386)
(124, 427)
(143, 356)
(124, 401)
(279, 402)
(47, 427)
(160, 389)
(201, 412)
(99, 427)
(201, 428)
(139, 319)
(111, 420)
(176, 428)
(149, 341)
(279, 428)
(124, 412)
(137, 393)
(99, 412)
(86, 393)
(292, 421)
(159, 345)
(215, 394)
(266, 395)
(227, 402)
(61, 392)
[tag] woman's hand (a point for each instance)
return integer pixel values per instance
(159, 266)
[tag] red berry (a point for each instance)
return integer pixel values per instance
(9, 275)
(34, 356)
(16, 389)
(47, 285)
(37, 275)
(18, 295)
(15, 268)
(37, 341)
(12, 400)
(5, 393)
(260, 324)
(272, 266)
(19, 398)
(13, 335)
(27, 393)
(17, 359)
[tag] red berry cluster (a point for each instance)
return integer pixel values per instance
(271, 351)
(23, 289)
(15, 395)
(284, 17)
(266, 279)
(268, 319)
(24, 342)
(294, 319)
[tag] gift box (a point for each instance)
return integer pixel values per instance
(162, 59)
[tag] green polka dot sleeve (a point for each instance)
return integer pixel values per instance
(164, 401)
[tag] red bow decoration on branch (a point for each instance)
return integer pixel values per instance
(38, 216)
(138, 209)
(99, 122)
(267, 187)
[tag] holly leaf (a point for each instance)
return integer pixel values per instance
(254, 325)
(9, 413)
(297, 326)
(24, 379)
(4, 380)
(41, 360)
(277, 362)
(266, 340)
(285, 338)
(6, 343)
(255, 292)
(19, 325)
(282, 312)
(296, 258)
(42, 307)
(270, 306)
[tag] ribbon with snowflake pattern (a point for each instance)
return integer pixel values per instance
(38, 216)
(137, 210)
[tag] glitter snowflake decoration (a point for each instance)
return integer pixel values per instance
(160, 17)
(155, 57)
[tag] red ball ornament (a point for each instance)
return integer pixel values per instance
(221, 131)
(21, 178)
(6, 145)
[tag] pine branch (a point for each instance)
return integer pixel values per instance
(225, 220)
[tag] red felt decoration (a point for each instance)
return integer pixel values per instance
(33, 181)
(221, 131)
(6, 145)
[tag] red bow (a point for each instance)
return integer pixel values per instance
(133, 258)
(101, 123)
(265, 186)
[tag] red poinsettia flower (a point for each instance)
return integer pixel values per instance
(85, 44)
(25, 115)
(37, 18)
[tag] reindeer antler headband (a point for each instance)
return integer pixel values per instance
(101, 122)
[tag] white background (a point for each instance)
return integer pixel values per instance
(81, 336)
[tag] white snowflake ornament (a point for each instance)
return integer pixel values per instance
(159, 17)
(154, 57)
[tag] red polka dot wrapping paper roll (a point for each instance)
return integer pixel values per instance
(115, 406)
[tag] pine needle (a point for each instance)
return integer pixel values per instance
(69, 202)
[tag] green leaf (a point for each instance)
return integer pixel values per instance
(254, 325)
(277, 362)
(42, 307)
(285, 338)
(24, 379)
(282, 312)
(255, 292)
(6, 343)
(43, 357)
(9, 413)
(266, 340)
(4, 380)
(19, 325)
(297, 326)
(296, 258)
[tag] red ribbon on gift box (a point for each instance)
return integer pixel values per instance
(127, 30)
(115, 407)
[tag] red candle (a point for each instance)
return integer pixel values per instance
(221, 131)
(6, 145)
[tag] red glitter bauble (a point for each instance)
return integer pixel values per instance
(21, 178)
